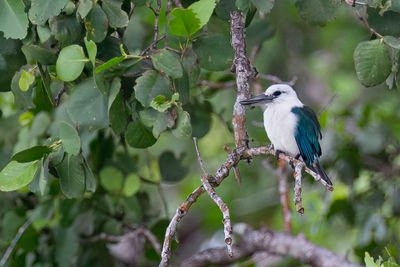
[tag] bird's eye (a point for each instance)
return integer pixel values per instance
(277, 93)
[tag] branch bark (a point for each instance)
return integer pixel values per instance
(244, 73)
(275, 243)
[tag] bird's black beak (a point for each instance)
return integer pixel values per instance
(257, 100)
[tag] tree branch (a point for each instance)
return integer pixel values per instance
(244, 73)
(275, 243)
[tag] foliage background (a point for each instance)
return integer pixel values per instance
(140, 183)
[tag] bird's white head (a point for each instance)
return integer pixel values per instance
(275, 94)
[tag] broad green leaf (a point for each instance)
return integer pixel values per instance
(317, 11)
(42, 10)
(183, 127)
(183, 22)
(214, 52)
(44, 33)
(70, 63)
(92, 51)
(117, 17)
(372, 62)
(150, 85)
(168, 174)
(110, 63)
(392, 42)
(264, 6)
(66, 29)
(131, 185)
(203, 10)
(84, 7)
(70, 138)
(38, 184)
(90, 180)
(167, 62)
(16, 175)
(135, 34)
(118, 115)
(386, 24)
(66, 245)
(87, 106)
(26, 80)
(111, 179)
(32, 154)
(243, 5)
(72, 176)
(23, 100)
(11, 59)
(35, 53)
(13, 19)
(369, 261)
(138, 136)
(160, 121)
(96, 24)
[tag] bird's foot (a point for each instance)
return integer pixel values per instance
(277, 152)
(291, 163)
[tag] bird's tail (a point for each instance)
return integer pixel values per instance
(318, 169)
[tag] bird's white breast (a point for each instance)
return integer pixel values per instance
(280, 124)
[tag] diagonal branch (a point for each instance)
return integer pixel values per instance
(217, 199)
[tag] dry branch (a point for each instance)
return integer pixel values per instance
(274, 243)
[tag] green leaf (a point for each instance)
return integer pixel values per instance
(36, 53)
(44, 33)
(372, 62)
(160, 121)
(183, 127)
(16, 175)
(32, 154)
(183, 22)
(265, 6)
(386, 24)
(26, 80)
(90, 180)
(150, 85)
(117, 17)
(23, 100)
(42, 10)
(87, 106)
(70, 63)
(203, 10)
(110, 63)
(161, 103)
(392, 42)
(168, 174)
(167, 62)
(11, 59)
(38, 184)
(70, 138)
(92, 51)
(369, 261)
(72, 176)
(138, 136)
(118, 115)
(214, 52)
(84, 7)
(111, 179)
(66, 29)
(96, 24)
(318, 11)
(13, 19)
(224, 9)
(131, 185)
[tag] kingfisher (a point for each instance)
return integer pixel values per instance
(292, 127)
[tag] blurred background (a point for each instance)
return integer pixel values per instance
(361, 154)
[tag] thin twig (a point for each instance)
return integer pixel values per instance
(156, 12)
(297, 188)
(217, 199)
(366, 24)
(14, 242)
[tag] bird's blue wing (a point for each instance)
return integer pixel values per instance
(307, 135)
